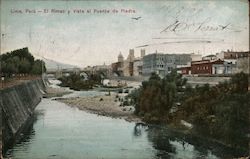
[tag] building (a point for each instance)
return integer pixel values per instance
(137, 67)
(210, 67)
(124, 67)
(131, 55)
(185, 70)
(127, 68)
(143, 53)
(210, 57)
(117, 68)
(131, 66)
(238, 59)
(232, 56)
(196, 57)
(138, 63)
(120, 57)
(162, 64)
(154, 63)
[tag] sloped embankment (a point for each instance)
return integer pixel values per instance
(18, 104)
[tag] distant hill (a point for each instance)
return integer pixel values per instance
(54, 65)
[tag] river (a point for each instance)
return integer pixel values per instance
(63, 132)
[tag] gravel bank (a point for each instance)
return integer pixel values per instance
(55, 92)
(102, 105)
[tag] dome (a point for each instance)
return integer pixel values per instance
(120, 55)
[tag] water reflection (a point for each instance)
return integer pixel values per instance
(172, 144)
(28, 135)
(161, 143)
(139, 129)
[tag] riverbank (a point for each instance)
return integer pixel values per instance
(105, 105)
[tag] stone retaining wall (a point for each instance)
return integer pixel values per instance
(18, 104)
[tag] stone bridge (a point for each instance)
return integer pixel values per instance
(86, 73)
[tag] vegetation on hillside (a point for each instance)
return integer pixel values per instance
(20, 62)
(220, 112)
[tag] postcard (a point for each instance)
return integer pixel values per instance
(119, 79)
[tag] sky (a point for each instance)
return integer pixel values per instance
(103, 29)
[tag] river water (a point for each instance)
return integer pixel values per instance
(63, 132)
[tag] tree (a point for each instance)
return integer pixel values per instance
(232, 119)
(221, 112)
(20, 61)
(38, 67)
(25, 66)
(240, 83)
(157, 96)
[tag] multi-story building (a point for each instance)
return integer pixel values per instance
(162, 64)
(232, 56)
(238, 59)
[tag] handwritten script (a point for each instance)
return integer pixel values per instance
(190, 19)
(195, 27)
